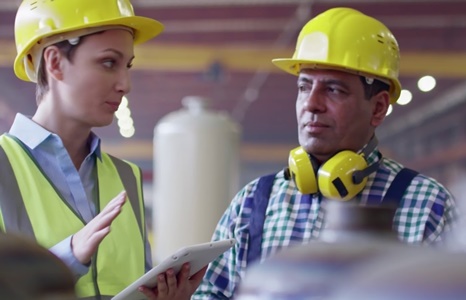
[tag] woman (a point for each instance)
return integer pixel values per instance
(65, 192)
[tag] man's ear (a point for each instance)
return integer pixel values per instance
(381, 102)
(53, 62)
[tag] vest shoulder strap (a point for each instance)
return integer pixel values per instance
(130, 183)
(399, 185)
(258, 209)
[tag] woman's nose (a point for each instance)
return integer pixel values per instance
(124, 82)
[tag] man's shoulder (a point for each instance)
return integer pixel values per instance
(276, 178)
(391, 165)
(421, 184)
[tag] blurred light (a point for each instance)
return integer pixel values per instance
(122, 112)
(426, 83)
(125, 123)
(124, 102)
(127, 133)
(389, 110)
(405, 97)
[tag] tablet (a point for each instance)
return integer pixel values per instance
(198, 256)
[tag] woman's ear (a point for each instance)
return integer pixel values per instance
(381, 102)
(53, 62)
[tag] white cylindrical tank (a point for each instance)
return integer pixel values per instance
(196, 174)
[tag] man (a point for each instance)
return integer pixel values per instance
(347, 68)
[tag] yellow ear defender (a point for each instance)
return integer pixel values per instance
(341, 177)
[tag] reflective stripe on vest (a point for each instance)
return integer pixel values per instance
(16, 220)
(120, 258)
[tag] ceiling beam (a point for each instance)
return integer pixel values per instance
(447, 101)
(247, 58)
(259, 25)
(11, 5)
(171, 3)
(249, 152)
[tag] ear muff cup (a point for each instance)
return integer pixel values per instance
(341, 177)
(338, 177)
(303, 170)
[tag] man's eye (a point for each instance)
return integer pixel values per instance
(335, 90)
(302, 88)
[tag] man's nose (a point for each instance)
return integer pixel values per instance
(315, 101)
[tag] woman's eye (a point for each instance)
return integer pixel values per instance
(109, 63)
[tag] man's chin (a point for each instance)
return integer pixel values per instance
(319, 149)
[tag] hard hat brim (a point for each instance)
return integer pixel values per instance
(288, 65)
(291, 66)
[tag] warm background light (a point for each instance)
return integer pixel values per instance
(405, 97)
(426, 83)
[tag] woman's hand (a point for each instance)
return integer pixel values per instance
(170, 286)
(86, 241)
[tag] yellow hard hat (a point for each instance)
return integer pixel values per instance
(37, 20)
(346, 39)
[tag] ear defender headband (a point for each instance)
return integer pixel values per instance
(341, 177)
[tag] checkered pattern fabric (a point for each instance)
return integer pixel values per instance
(425, 212)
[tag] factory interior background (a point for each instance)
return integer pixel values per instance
(221, 51)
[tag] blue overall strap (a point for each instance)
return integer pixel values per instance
(398, 187)
(258, 209)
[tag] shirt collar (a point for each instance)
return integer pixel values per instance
(33, 135)
(28, 131)
(94, 143)
(373, 157)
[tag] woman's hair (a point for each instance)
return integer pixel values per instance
(68, 50)
(42, 86)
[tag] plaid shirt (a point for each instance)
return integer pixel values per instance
(425, 212)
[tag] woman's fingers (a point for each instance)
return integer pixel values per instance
(86, 241)
(118, 201)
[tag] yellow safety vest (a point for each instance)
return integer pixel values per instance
(31, 205)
